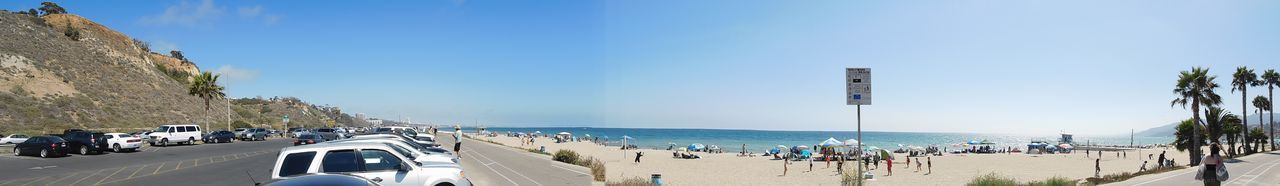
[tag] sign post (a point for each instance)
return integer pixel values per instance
(285, 121)
(858, 84)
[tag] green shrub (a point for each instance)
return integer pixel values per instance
(597, 167)
(72, 33)
(566, 156)
(1054, 181)
(635, 181)
(992, 179)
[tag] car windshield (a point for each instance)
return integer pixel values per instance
(56, 140)
(324, 130)
(402, 150)
(162, 129)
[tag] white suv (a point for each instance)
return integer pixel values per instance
(180, 134)
(122, 141)
(377, 162)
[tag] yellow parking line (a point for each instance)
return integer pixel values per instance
(34, 181)
(87, 177)
(135, 172)
(59, 179)
(109, 176)
(158, 168)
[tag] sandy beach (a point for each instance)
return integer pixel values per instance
(949, 169)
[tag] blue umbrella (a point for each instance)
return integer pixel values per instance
(696, 146)
(775, 150)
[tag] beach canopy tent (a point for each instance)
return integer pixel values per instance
(565, 133)
(851, 142)
(831, 142)
(885, 154)
(985, 142)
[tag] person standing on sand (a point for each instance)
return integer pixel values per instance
(930, 159)
(784, 167)
(1160, 162)
(811, 164)
(1097, 167)
(889, 163)
(908, 163)
(638, 154)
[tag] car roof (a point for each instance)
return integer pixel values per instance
(115, 133)
(330, 146)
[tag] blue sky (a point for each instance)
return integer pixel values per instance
(1089, 67)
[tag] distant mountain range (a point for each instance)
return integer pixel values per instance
(1168, 129)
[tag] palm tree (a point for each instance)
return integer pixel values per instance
(1242, 80)
(206, 87)
(1188, 136)
(1215, 119)
(1263, 105)
(1231, 129)
(1271, 79)
(1195, 87)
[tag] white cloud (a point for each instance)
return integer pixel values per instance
(253, 11)
(232, 74)
(188, 14)
(163, 47)
(258, 12)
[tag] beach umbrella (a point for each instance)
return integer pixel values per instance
(775, 150)
(974, 142)
(802, 147)
(885, 154)
(537, 132)
(627, 137)
(985, 142)
(564, 133)
(831, 142)
(782, 147)
(696, 146)
(899, 145)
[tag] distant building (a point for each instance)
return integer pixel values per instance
(374, 121)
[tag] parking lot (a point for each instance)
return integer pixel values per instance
(238, 163)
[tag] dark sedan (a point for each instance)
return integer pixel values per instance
(219, 137)
(306, 139)
(45, 146)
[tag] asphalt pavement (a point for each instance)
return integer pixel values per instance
(1256, 169)
(238, 163)
(490, 164)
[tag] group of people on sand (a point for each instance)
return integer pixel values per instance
(871, 162)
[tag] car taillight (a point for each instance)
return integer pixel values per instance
(311, 141)
(53, 145)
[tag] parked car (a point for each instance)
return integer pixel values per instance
(221, 136)
(170, 134)
(240, 131)
(321, 179)
(44, 146)
(13, 138)
(253, 134)
(85, 142)
(327, 133)
(306, 139)
(295, 132)
(123, 142)
(416, 153)
(373, 161)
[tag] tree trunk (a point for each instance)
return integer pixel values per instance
(1195, 133)
(1244, 108)
(1271, 135)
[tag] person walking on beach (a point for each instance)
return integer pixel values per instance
(1097, 167)
(917, 164)
(1086, 153)
(638, 154)
(1212, 172)
(908, 163)
(1144, 166)
(876, 161)
(785, 167)
(1160, 162)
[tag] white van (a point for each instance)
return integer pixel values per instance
(170, 134)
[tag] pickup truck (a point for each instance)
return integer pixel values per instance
(84, 142)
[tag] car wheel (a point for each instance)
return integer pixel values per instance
(164, 142)
(84, 150)
(17, 151)
(115, 148)
(44, 153)
(191, 141)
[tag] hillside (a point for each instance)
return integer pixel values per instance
(1168, 129)
(104, 79)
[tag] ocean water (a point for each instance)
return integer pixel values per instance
(759, 140)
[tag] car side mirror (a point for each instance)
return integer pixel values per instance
(404, 167)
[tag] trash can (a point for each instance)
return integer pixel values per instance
(657, 180)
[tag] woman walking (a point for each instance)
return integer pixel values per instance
(1213, 171)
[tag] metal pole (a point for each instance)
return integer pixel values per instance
(859, 176)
